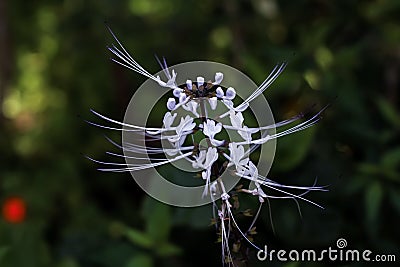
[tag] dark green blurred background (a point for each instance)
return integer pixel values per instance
(55, 67)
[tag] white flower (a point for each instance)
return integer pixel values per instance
(207, 160)
(169, 119)
(236, 119)
(204, 161)
(237, 124)
(211, 128)
(237, 155)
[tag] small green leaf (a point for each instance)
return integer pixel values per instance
(389, 112)
(159, 222)
(373, 199)
(140, 260)
(391, 159)
(139, 238)
(3, 252)
(166, 249)
(369, 169)
(395, 199)
(292, 264)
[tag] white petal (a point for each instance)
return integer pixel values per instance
(206, 175)
(207, 128)
(199, 160)
(171, 82)
(211, 129)
(245, 134)
(211, 157)
(216, 142)
(213, 102)
(192, 107)
(253, 171)
(169, 119)
(182, 97)
(237, 154)
(181, 141)
(218, 127)
(228, 103)
(236, 119)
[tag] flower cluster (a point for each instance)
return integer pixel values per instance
(217, 154)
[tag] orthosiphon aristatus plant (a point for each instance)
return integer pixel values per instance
(205, 127)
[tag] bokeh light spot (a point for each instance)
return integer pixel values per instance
(14, 210)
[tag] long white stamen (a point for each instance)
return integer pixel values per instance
(130, 63)
(139, 166)
(267, 82)
(130, 125)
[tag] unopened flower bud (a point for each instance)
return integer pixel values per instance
(230, 93)
(200, 81)
(171, 103)
(189, 84)
(177, 92)
(218, 78)
(219, 92)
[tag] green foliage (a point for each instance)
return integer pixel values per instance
(54, 67)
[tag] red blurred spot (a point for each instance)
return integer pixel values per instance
(14, 210)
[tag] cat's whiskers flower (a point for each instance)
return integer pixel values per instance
(219, 155)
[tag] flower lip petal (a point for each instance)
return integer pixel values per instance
(211, 128)
(236, 119)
